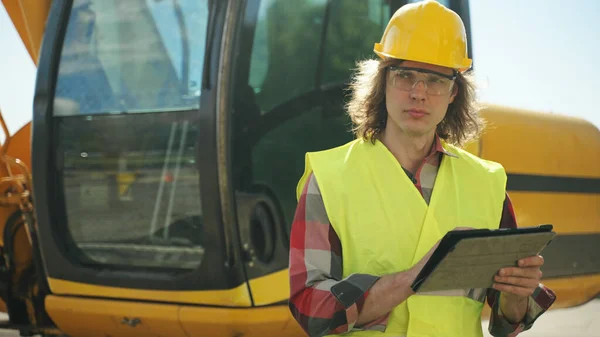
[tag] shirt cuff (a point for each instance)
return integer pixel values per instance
(351, 293)
(537, 304)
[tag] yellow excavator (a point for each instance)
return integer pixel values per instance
(153, 190)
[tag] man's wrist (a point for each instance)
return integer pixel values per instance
(512, 297)
(513, 307)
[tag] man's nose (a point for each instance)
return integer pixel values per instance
(419, 90)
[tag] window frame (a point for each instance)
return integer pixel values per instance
(215, 272)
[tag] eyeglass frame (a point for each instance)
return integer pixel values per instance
(426, 71)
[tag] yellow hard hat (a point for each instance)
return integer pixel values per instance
(426, 32)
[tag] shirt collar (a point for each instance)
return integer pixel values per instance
(439, 147)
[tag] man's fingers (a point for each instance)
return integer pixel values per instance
(517, 281)
(530, 272)
(532, 261)
(525, 292)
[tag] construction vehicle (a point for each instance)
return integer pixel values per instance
(152, 192)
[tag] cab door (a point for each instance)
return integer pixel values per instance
(125, 166)
(287, 100)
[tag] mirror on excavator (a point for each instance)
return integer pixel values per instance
(153, 190)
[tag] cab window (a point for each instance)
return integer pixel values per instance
(126, 115)
(283, 56)
(289, 98)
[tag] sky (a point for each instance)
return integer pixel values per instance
(17, 77)
(539, 54)
(536, 54)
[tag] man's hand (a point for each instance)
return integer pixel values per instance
(520, 281)
(516, 284)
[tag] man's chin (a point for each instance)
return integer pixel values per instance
(418, 131)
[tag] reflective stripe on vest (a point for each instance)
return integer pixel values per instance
(385, 225)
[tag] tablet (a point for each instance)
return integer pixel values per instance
(468, 259)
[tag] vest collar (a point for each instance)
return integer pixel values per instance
(442, 146)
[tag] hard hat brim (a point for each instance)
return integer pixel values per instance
(466, 65)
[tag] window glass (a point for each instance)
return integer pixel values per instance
(284, 53)
(270, 142)
(354, 27)
(131, 56)
(130, 183)
(278, 158)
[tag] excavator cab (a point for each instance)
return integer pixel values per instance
(167, 141)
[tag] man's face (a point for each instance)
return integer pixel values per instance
(416, 110)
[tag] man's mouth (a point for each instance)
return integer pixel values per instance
(416, 112)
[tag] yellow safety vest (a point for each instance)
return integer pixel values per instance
(385, 225)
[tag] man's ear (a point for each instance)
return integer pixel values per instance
(454, 92)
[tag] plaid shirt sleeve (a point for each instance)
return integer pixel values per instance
(538, 303)
(316, 273)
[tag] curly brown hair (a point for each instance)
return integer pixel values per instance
(368, 112)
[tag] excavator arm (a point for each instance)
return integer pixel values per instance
(556, 183)
(20, 278)
(29, 18)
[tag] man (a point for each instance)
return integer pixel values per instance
(372, 211)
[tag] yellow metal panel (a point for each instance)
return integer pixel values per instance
(271, 288)
(573, 291)
(541, 143)
(255, 322)
(474, 147)
(569, 212)
(238, 296)
(83, 317)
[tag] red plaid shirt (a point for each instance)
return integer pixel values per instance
(316, 267)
